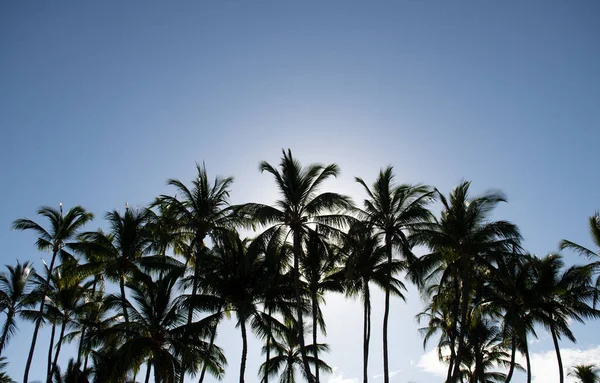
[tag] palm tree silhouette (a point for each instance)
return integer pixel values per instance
(62, 229)
(14, 294)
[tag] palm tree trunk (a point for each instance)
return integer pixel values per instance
(210, 346)
(452, 333)
(58, 346)
(315, 332)
(513, 353)
(49, 367)
(463, 322)
(123, 297)
(528, 361)
(9, 318)
(297, 251)
(39, 321)
(366, 334)
(386, 313)
(561, 373)
(244, 349)
(148, 372)
(194, 288)
(268, 353)
(80, 348)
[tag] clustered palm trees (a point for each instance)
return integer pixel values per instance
(152, 290)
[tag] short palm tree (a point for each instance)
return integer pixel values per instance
(393, 210)
(63, 228)
(563, 296)
(319, 266)
(14, 291)
(464, 243)
(366, 262)
(300, 209)
(585, 373)
(287, 356)
(4, 378)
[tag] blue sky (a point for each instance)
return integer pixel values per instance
(102, 102)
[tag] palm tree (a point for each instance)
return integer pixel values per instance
(116, 255)
(14, 291)
(366, 262)
(464, 244)
(563, 296)
(73, 374)
(62, 229)
(301, 209)
(236, 274)
(199, 212)
(511, 293)
(158, 333)
(392, 211)
(287, 355)
(594, 225)
(319, 265)
(586, 373)
(4, 378)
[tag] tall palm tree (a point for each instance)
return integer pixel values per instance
(62, 229)
(300, 209)
(586, 373)
(594, 226)
(319, 265)
(564, 295)
(287, 356)
(14, 293)
(464, 244)
(200, 211)
(366, 262)
(393, 211)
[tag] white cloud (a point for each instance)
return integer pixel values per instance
(544, 366)
(392, 374)
(337, 377)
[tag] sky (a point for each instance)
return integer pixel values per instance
(102, 102)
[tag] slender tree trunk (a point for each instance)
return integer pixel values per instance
(366, 333)
(528, 361)
(198, 246)
(148, 372)
(59, 345)
(297, 251)
(315, 331)
(123, 297)
(268, 353)
(80, 348)
(244, 349)
(513, 352)
(386, 313)
(452, 332)
(561, 373)
(9, 318)
(49, 367)
(463, 322)
(39, 320)
(210, 347)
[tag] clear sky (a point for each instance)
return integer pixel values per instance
(101, 102)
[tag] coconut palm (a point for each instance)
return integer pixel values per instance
(63, 228)
(319, 266)
(563, 296)
(287, 356)
(73, 374)
(14, 294)
(300, 209)
(594, 226)
(365, 262)
(4, 378)
(464, 244)
(585, 373)
(199, 211)
(392, 211)
(158, 333)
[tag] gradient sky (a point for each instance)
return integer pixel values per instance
(101, 102)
